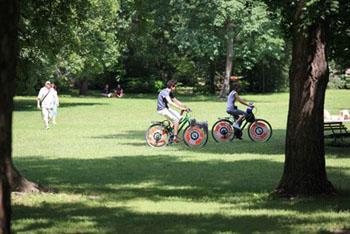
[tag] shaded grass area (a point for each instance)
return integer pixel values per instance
(108, 181)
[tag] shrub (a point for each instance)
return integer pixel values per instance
(142, 85)
(336, 82)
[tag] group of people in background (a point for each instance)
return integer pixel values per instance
(48, 102)
(117, 92)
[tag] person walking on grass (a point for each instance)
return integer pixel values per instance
(165, 97)
(232, 108)
(46, 97)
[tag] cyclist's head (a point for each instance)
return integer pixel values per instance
(237, 86)
(172, 83)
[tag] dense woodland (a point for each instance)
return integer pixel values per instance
(142, 44)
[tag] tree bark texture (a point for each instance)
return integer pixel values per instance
(229, 59)
(304, 168)
(9, 12)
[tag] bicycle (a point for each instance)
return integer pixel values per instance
(161, 133)
(259, 130)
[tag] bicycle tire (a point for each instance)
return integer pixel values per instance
(223, 131)
(260, 131)
(157, 136)
(195, 136)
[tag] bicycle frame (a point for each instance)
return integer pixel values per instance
(244, 120)
(184, 120)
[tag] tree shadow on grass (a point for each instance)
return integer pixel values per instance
(124, 220)
(275, 146)
(157, 179)
(30, 105)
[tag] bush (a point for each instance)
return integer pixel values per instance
(336, 82)
(142, 85)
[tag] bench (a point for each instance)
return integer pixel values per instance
(335, 130)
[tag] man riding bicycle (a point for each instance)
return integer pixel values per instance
(166, 97)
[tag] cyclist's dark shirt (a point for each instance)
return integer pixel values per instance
(162, 102)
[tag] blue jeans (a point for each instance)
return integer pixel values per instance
(236, 113)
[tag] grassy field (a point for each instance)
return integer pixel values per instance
(109, 181)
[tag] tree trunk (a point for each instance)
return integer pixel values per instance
(229, 58)
(212, 77)
(304, 168)
(9, 11)
(83, 86)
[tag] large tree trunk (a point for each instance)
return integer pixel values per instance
(10, 178)
(304, 169)
(229, 58)
(9, 12)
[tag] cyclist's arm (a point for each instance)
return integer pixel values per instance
(179, 103)
(240, 100)
(173, 103)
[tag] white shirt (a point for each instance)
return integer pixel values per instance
(49, 99)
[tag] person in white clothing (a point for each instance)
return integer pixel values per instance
(45, 101)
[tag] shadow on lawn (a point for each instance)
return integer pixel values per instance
(275, 146)
(156, 179)
(124, 220)
(30, 105)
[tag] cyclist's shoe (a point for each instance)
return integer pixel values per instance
(236, 126)
(177, 140)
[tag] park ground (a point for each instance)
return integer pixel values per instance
(107, 180)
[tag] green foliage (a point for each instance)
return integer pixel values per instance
(142, 85)
(78, 37)
(336, 82)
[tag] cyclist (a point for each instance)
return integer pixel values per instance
(232, 108)
(166, 97)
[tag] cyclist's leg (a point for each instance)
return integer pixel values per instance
(173, 117)
(238, 116)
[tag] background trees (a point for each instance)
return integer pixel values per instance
(148, 42)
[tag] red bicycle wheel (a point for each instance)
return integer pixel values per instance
(195, 136)
(222, 131)
(156, 136)
(260, 131)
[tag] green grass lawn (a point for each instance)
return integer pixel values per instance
(109, 181)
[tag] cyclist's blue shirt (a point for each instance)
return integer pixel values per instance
(162, 102)
(231, 100)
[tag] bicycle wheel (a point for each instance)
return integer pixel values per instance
(157, 136)
(222, 131)
(195, 136)
(260, 131)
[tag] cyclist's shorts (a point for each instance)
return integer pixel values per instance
(170, 114)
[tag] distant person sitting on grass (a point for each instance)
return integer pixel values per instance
(232, 108)
(106, 91)
(118, 92)
(166, 97)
